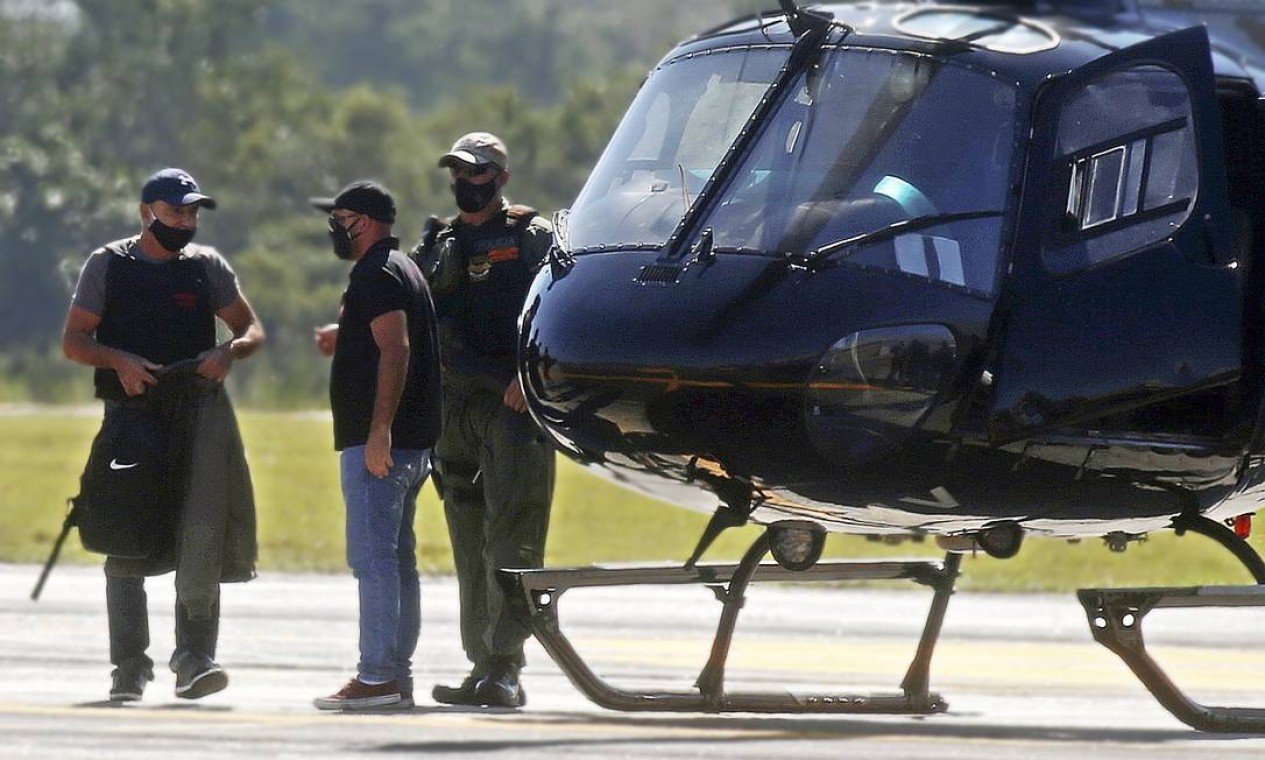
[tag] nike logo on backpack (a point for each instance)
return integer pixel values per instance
(117, 465)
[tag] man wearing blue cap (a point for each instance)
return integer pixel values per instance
(143, 307)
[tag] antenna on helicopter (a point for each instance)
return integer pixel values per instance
(801, 21)
(794, 17)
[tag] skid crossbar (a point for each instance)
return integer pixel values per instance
(539, 591)
(1115, 618)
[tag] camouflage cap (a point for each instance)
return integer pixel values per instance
(477, 148)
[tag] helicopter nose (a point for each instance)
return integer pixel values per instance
(680, 373)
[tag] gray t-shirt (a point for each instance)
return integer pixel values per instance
(90, 292)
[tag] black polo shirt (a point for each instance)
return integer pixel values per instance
(382, 281)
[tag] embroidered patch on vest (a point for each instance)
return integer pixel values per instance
(479, 268)
(497, 255)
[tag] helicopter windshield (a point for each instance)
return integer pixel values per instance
(865, 140)
(670, 142)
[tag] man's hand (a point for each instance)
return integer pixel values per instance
(514, 398)
(215, 363)
(378, 452)
(135, 372)
(326, 338)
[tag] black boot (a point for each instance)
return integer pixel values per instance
(500, 687)
(458, 695)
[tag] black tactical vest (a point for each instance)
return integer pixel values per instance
(485, 310)
(161, 312)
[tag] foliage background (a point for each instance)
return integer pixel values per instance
(270, 102)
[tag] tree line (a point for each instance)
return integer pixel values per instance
(268, 103)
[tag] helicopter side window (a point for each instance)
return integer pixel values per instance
(1129, 159)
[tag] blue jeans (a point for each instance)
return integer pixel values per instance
(382, 554)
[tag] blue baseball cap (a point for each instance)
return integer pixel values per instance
(175, 186)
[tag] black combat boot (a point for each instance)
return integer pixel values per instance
(458, 695)
(500, 687)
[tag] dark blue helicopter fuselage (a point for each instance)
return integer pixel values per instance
(886, 352)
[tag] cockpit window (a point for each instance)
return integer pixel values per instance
(1126, 148)
(674, 136)
(871, 139)
(862, 142)
(865, 140)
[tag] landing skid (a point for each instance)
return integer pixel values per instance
(1115, 618)
(541, 590)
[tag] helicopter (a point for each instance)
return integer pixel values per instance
(970, 272)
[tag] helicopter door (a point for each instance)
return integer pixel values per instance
(1122, 312)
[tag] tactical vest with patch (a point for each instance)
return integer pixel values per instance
(480, 319)
(161, 312)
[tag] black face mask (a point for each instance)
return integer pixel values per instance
(173, 239)
(341, 240)
(472, 198)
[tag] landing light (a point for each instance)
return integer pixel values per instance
(1002, 540)
(796, 544)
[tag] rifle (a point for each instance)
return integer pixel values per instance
(67, 524)
(424, 253)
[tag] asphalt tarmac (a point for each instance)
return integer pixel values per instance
(1021, 674)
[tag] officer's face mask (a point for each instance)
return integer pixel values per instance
(172, 239)
(472, 198)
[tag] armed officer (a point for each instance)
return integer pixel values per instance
(496, 469)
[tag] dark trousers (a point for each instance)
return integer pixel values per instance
(498, 477)
(127, 606)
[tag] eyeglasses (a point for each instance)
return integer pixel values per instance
(472, 170)
(342, 220)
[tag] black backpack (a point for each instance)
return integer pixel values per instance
(126, 504)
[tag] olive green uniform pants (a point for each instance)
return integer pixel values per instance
(497, 472)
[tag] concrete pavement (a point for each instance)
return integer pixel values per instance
(1021, 675)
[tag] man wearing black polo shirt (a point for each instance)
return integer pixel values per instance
(384, 393)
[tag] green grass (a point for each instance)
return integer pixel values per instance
(301, 516)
